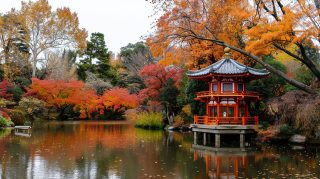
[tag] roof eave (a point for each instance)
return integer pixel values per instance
(226, 74)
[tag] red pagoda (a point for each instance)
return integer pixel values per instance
(227, 99)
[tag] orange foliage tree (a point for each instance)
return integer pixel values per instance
(200, 17)
(119, 99)
(251, 28)
(61, 94)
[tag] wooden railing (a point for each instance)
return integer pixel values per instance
(226, 120)
(239, 93)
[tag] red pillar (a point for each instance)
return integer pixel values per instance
(195, 156)
(247, 110)
(237, 109)
(195, 119)
(218, 102)
(218, 111)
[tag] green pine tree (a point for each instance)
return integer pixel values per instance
(96, 59)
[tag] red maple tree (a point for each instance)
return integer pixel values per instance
(4, 87)
(119, 99)
(61, 94)
(155, 77)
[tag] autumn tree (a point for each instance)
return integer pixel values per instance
(197, 54)
(161, 81)
(252, 30)
(132, 58)
(62, 95)
(117, 100)
(49, 29)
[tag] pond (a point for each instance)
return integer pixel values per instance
(118, 150)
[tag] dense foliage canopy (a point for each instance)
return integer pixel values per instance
(61, 94)
(201, 29)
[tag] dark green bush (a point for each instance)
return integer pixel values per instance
(18, 117)
(286, 130)
(1, 73)
(16, 92)
(22, 81)
(264, 125)
(194, 86)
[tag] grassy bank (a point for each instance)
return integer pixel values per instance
(5, 122)
(149, 120)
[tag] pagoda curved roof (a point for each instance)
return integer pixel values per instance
(227, 67)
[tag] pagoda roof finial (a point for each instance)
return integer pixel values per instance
(227, 53)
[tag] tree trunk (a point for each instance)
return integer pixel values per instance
(169, 115)
(34, 66)
(61, 113)
(6, 65)
(315, 69)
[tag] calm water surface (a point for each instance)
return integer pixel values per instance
(109, 150)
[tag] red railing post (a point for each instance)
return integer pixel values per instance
(195, 118)
(243, 121)
(217, 121)
(256, 120)
(205, 119)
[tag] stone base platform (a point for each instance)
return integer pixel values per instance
(218, 130)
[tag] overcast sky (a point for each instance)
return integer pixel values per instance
(121, 21)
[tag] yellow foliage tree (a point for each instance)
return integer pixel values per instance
(251, 28)
(48, 29)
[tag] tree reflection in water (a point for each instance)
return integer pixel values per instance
(105, 150)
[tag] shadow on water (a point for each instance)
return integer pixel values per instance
(118, 150)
